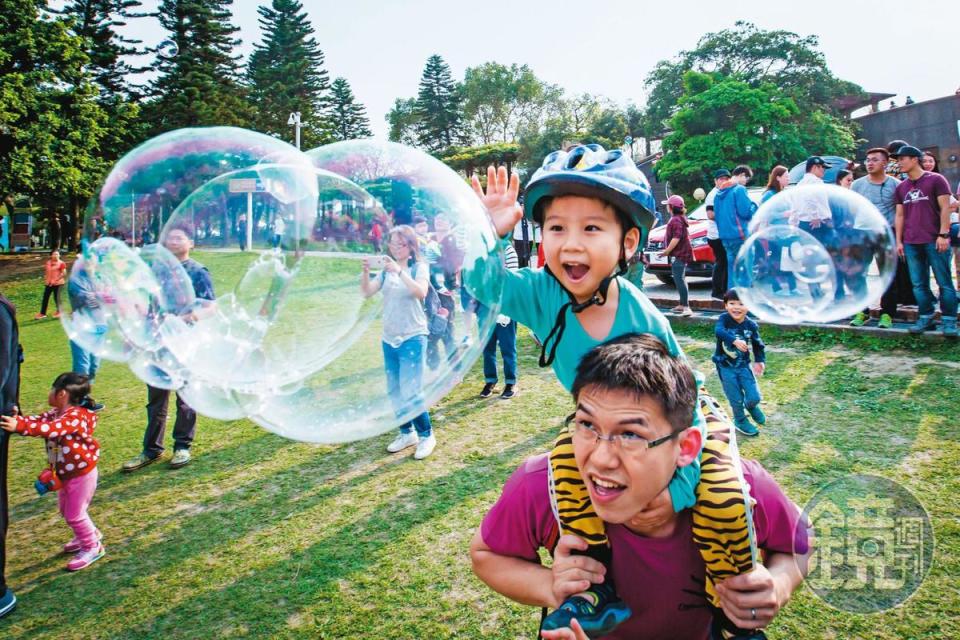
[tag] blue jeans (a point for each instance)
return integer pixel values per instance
(404, 368)
(732, 247)
(507, 337)
(920, 259)
(84, 362)
(740, 387)
(678, 270)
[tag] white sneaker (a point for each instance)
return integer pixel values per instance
(403, 441)
(426, 447)
(686, 312)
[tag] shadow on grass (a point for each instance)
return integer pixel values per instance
(234, 515)
(116, 486)
(251, 602)
(867, 423)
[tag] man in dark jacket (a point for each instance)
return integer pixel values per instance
(9, 391)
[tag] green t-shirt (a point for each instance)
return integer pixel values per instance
(533, 298)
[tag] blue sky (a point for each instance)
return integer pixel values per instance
(608, 47)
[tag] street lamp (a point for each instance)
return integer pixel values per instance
(294, 121)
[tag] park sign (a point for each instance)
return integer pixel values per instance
(247, 185)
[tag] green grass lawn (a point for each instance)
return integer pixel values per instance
(267, 538)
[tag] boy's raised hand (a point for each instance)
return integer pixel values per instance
(500, 199)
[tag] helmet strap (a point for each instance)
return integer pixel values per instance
(599, 298)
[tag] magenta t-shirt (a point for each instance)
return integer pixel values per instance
(921, 211)
(661, 579)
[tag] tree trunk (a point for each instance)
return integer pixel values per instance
(77, 218)
(55, 230)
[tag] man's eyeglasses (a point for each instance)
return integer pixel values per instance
(627, 441)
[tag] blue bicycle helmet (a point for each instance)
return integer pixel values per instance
(592, 171)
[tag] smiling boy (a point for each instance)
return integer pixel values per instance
(630, 432)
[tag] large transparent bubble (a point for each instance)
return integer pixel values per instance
(140, 292)
(151, 181)
(328, 297)
(412, 214)
(815, 253)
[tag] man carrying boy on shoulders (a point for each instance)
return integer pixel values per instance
(631, 432)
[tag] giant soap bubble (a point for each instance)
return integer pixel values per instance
(349, 397)
(291, 340)
(150, 182)
(815, 253)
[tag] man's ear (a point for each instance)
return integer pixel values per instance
(630, 242)
(691, 443)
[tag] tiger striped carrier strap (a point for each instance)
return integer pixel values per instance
(722, 516)
(723, 513)
(570, 498)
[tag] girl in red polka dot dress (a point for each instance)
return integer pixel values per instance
(73, 454)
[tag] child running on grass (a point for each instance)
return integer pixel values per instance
(737, 335)
(73, 454)
(54, 277)
(594, 208)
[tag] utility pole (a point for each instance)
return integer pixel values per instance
(294, 120)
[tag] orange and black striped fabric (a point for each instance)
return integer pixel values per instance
(722, 516)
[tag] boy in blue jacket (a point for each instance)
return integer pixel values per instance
(737, 336)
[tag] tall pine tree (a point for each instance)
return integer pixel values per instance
(286, 74)
(349, 117)
(201, 84)
(439, 108)
(98, 23)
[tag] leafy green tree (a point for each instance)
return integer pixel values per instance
(52, 126)
(580, 118)
(201, 84)
(98, 23)
(609, 128)
(723, 121)
(286, 74)
(349, 117)
(402, 119)
(500, 102)
(439, 113)
(755, 56)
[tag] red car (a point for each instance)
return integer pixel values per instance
(703, 259)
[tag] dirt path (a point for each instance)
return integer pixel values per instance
(22, 266)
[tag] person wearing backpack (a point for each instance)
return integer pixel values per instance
(405, 285)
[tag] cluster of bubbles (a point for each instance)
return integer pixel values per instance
(290, 340)
(815, 253)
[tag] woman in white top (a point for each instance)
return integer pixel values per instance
(404, 284)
